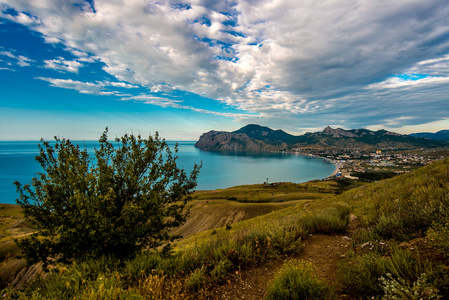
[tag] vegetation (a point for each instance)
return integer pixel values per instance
(399, 234)
(297, 280)
(371, 176)
(122, 200)
(259, 138)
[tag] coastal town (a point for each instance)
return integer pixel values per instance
(361, 164)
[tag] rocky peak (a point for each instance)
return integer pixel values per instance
(338, 132)
(392, 133)
(328, 131)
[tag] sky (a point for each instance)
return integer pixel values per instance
(182, 68)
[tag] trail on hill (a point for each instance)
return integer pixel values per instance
(323, 251)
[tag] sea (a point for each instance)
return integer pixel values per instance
(220, 169)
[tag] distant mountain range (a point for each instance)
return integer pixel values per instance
(442, 135)
(259, 138)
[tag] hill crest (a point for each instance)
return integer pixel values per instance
(254, 137)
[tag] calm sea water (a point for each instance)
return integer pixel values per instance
(220, 169)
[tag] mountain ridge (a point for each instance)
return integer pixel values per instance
(254, 137)
(442, 135)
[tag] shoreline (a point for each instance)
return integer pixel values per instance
(337, 166)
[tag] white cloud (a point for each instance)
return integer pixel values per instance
(166, 102)
(300, 62)
(63, 65)
(121, 84)
(396, 121)
(20, 17)
(82, 87)
(395, 82)
(21, 60)
(159, 101)
(24, 61)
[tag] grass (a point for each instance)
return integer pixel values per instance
(360, 277)
(195, 263)
(297, 280)
(259, 193)
(389, 212)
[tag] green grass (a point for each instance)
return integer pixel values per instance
(196, 261)
(259, 193)
(297, 280)
(409, 206)
(360, 277)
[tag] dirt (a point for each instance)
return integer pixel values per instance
(323, 251)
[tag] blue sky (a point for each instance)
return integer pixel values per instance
(71, 68)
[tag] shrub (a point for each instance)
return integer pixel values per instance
(360, 278)
(334, 219)
(121, 200)
(297, 280)
(390, 226)
(221, 270)
(144, 263)
(196, 279)
(398, 288)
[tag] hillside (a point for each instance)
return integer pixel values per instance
(258, 138)
(218, 208)
(386, 239)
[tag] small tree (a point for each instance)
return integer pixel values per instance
(116, 202)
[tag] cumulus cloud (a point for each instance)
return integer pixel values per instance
(303, 62)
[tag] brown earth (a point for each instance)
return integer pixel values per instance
(323, 251)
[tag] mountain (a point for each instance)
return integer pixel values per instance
(442, 135)
(266, 134)
(259, 138)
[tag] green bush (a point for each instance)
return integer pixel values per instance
(144, 263)
(360, 278)
(297, 280)
(124, 198)
(389, 226)
(221, 270)
(398, 288)
(334, 219)
(197, 279)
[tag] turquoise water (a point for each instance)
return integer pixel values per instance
(220, 169)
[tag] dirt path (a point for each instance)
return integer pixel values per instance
(323, 251)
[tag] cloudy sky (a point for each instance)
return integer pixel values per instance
(71, 68)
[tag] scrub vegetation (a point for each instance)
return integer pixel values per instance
(398, 229)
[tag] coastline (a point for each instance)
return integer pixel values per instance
(337, 166)
(337, 169)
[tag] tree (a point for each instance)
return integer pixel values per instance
(115, 202)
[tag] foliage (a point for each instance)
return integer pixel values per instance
(196, 279)
(360, 278)
(403, 207)
(297, 280)
(398, 288)
(120, 200)
(410, 204)
(334, 219)
(373, 176)
(439, 232)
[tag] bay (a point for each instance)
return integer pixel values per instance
(220, 169)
